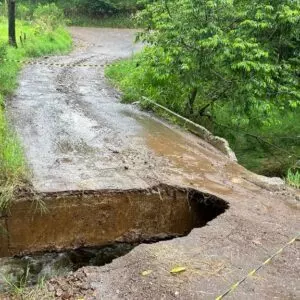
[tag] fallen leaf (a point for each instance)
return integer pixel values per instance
(146, 273)
(177, 270)
(236, 180)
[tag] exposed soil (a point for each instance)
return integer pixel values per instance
(78, 136)
(162, 214)
(75, 219)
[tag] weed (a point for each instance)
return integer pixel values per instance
(22, 289)
(17, 288)
(293, 178)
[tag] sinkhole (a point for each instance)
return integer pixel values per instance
(92, 228)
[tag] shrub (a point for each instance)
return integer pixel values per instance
(98, 7)
(48, 17)
(23, 12)
(3, 8)
(3, 51)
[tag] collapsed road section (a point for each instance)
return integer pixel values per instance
(72, 220)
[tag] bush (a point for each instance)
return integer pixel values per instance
(23, 12)
(98, 7)
(3, 51)
(101, 7)
(3, 9)
(48, 17)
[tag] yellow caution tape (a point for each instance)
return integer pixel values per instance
(32, 62)
(251, 273)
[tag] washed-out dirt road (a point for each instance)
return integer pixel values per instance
(78, 136)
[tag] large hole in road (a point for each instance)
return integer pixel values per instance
(94, 228)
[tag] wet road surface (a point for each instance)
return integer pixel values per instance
(78, 136)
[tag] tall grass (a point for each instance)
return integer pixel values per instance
(13, 170)
(293, 178)
(12, 162)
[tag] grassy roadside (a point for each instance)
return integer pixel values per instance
(134, 80)
(293, 178)
(13, 171)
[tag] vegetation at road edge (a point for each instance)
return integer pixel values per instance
(96, 13)
(232, 66)
(41, 35)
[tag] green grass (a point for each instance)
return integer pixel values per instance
(13, 170)
(293, 178)
(115, 21)
(22, 290)
(118, 73)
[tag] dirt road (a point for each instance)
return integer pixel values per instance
(78, 136)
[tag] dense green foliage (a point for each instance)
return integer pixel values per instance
(44, 35)
(48, 17)
(103, 13)
(88, 7)
(232, 66)
(243, 53)
(99, 7)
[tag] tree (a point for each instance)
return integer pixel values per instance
(12, 23)
(241, 52)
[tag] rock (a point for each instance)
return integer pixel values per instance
(269, 183)
(58, 293)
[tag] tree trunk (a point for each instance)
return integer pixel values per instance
(12, 23)
(191, 100)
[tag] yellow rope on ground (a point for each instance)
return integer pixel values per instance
(33, 62)
(252, 272)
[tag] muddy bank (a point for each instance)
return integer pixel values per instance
(94, 218)
(117, 221)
